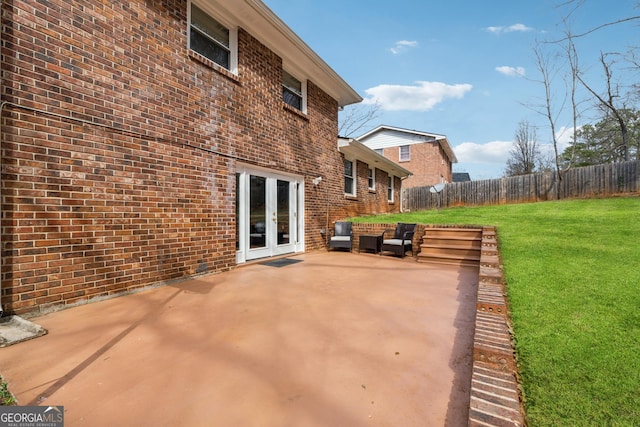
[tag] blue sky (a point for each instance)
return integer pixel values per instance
(464, 69)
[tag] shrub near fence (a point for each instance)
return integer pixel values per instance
(590, 181)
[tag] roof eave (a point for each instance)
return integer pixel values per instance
(397, 129)
(444, 143)
(359, 151)
(442, 139)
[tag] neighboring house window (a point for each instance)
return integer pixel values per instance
(349, 179)
(211, 39)
(405, 153)
(372, 179)
(390, 189)
(293, 91)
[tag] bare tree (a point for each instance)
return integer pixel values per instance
(608, 101)
(572, 57)
(612, 102)
(355, 117)
(548, 71)
(525, 153)
(573, 76)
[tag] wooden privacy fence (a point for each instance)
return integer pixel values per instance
(589, 181)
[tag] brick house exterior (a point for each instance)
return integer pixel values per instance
(428, 156)
(130, 159)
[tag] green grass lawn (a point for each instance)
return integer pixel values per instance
(572, 270)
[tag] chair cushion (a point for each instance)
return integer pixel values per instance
(396, 242)
(341, 238)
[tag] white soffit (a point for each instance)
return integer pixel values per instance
(358, 151)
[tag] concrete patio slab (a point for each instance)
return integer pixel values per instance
(337, 339)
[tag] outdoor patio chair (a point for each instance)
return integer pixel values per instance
(342, 236)
(402, 240)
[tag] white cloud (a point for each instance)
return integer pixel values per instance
(421, 97)
(403, 45)
(492, 153)
(564, 136)
(510, 29)
(518, 27)
(511, 71)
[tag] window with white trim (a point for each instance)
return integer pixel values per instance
(372, 179)
(349, 178)
(405, 153)
(212, 40)
(293, 91)
(390, 189)
(379, 151)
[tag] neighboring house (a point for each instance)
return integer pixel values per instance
(428, 156)
(461, 177)
(144, 142)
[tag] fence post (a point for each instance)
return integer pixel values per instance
(638, 172)
(503, 191)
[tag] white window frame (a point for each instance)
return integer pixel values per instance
(406, 155)
(233, 38)
(372, 179)
(390, 189)
(353, 177)
(302, 94)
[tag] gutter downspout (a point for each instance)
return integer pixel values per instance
(1, 204)
(402, 190)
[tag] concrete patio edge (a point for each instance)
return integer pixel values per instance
(495, 395)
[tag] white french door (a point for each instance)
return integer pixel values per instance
(269, 207)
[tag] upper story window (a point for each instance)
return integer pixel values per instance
(372, 179)
(212, 40)
(349, 178)
(405, 153)
(379, 151)
(293, 91)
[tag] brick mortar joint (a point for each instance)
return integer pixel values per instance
(512, 364)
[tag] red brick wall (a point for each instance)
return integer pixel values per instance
(428, 163)
(138, 188)
(366, 201)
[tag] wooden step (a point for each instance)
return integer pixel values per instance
(454, 241)
(457, 251)
(474, 233)
(443, 260)
(451, 246)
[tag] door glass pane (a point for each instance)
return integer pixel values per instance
(283, 213)
(257, 212)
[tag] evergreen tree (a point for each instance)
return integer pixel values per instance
(602, 142)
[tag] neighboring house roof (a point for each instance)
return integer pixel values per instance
(361, 152)
(461, 177)
(257, 19)
(389, 136)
